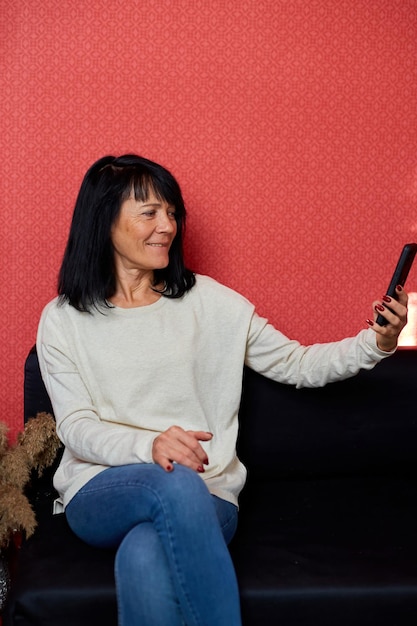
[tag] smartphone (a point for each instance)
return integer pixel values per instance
(400, 274)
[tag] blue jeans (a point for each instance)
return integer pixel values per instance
(172, 565)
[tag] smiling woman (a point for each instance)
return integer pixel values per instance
(143, 361)
(142, 236)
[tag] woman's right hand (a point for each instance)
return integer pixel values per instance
(177, 445)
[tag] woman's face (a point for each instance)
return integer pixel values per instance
(143, 233)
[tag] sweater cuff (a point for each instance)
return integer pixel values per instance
(371, 341)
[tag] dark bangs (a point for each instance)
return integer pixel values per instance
(143, 177)
(143, 184)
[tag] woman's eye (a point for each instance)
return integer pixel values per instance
(149, 213)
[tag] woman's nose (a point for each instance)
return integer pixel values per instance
(166, 223)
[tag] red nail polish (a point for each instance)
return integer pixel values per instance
(370, 322)
(399, 288)
(200, 469)
(386, 298)
(379, 307)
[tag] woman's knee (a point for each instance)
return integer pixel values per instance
(188, 481)
(187, 492)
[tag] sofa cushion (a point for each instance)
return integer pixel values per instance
(365, 424)
(61, 581)
(328, 551)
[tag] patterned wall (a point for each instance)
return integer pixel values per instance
(291, 125)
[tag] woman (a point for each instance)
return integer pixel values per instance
(143, 362)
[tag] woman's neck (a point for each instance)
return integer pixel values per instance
(134, 293)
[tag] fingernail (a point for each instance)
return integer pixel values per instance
(370, 322)
(169, 468)
(386, 298)
(399, 288)
(206, 461)
(200, 469)
(379, 307)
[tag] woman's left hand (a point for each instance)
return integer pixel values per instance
(395, 312)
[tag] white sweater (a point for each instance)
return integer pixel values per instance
(120, 377)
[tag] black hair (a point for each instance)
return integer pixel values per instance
(87, 276)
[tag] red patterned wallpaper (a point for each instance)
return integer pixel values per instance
(291, 126)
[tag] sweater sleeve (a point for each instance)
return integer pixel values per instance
(272, 354)
(79, 425)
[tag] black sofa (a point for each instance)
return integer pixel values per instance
(328, 518)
